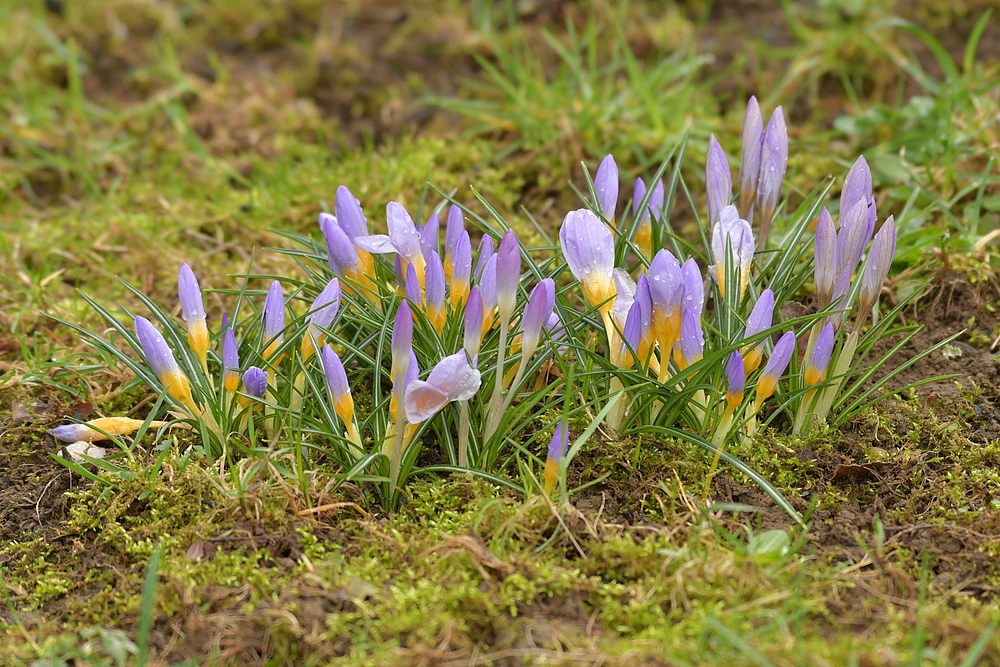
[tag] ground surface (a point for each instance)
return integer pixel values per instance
(142, 134)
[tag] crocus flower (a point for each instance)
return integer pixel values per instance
(429, 235)
(589, 249)
(693, 284)
(224, 324)
(558, 447)
(820, 357)
(644, 232)
(473, 324)
(485, 253)
(877, 270)
(856, 230)
(161, 359)
(666, 289)
(753, 144)
(644, 299)
(454, 229)
(403, 239)
(857, 185)
(321, 314)
(193, 313)
(488, 290)
(736, 379)
(452, 379)
(606, 187)
(631, 336)
(718, 180)
(434, 294)
(255, 382)
(402, 339)
(412, 287)
(759, 320)
(826, 261)
(460, 273)
(341, 253)
(733, 233)
(691, 344)
(508, 274)
(99, 429)
(230, 362)
(350, 217)
(625, 295)
(274, 319)
(536, 314)
(336, 382)
(773, 160)
(774, 368)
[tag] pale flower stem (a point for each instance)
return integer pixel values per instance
(463, 434)
(512, 389)
(496, 402)
(719, 440)
(396, 455)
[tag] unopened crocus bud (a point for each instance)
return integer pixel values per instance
(775, 367)
(429, 235)
(434, 294)
(631, 336)
(693, 294)
(625, 295)
(877, 270)
(691, 344)
(855, 233)
(773, 161)
(857, 185)
(488, 290)
(350, 217)
(412, 287)
(718, 180)
(336, 382)
(589, 249)
(230, 362)
(826, 261)
(255, 382)
(274, 320)
(536, 314)
(508, 274)
(461, 270)
(193, 313)
(473, 324)
(454, 229)
(558, 447)
(606, 187)
(736, 379)
(224, 323)
(753, 144)
(99, 429)
(732, 234)
(161, 359)
(402, 339)
(644, 298)
(485, 253)
(819, 360)
(452, 379)
(759, 320)
(666, 289)
(321, 314)
(341, 254)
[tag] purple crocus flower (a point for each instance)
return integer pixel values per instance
(665, 290)
(625, 295)
(759, 320)
(158, 354)
(718, 180)
(452, 379)
(402, 339)
(350, 217)
(488, 289)
(655, 205)
(589, 249)
(826, 261)
(877, 270)
(193, 312)
(645, 301)
(773, 161)
(753, 145)
(736, 379)
(508, 274)
(412, 287)
(774, 368)
(255, 382)
(558, 448)
(434, 292)
(230, 362)
(461, 270)
(692, 341)
(321, 313)
(693, 294)
(734, 233)
(536, 314)
(341, 253)
(638, 192)
(403, 239)
(857, 185)
(606, 187)
(473, 324)
(429, 235)
(336, 382)
(631, 336)
(485, 253)
(820, 357)
(274, 319)
(454, 228)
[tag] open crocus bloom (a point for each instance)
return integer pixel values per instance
(403, 239)
(733, 233)
(452, 379)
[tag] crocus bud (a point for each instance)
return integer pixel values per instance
(826, 261)
(274, 319)
(193, 312)
(759, 320)
(341, 254)
(692, 342)
(336, 382)
(820, 357)
(606, 187)
(558, 447)
(733, 233)
(774, 368)
(161, 359)
(644, 298)
(461, 269)
(625, 295)
(736, 379)
(454, 229)
(508, 274)
(877, 270)
(693, 294)
(753, 144)
(666, 289)
(435, 292)
(773, 161)
(631, 336)
(428, 233)
(589, 249)
(857, 185)
(485, 253)
(536, 314)
(402, 339)
(412, 287)
(488, 290)
(473, 324)
(452, 379)
(854, 235)
(255, 382)
(718, 180)
(95, 429)
(350, 217)
(321, 314)
(230, 362)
